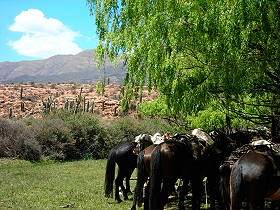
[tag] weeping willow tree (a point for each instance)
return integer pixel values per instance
(198, 51)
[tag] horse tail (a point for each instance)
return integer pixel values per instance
(155, 180)
(236, 183)
(224, 184)
(110, 174)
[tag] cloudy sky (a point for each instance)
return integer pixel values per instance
(38, 29)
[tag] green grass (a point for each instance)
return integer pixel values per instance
(53, 185)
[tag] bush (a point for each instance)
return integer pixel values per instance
(125, 129)
(89, 136)
(68, 136)
(18, 140)
(63, 135)
(52, 134)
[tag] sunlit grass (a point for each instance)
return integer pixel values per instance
(53, 185)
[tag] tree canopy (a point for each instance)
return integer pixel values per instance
(197, 51)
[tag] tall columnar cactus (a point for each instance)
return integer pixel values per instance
(87, 108)
(11, 112)
(22, 108)
(103, 105)
(21, 92)
(92, 107)
(79, 100)
(84, 104)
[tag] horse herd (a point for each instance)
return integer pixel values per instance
(238, 169)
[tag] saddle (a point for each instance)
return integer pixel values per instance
(271, 150)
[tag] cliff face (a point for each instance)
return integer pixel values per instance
(80, 68)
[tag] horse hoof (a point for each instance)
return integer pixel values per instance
(119, 201)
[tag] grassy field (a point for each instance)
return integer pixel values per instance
(58, 185)
(54, 185)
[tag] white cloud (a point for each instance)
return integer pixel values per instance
(42, 37)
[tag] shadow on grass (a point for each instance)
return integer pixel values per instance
(173, 204)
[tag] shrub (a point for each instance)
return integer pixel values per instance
(89, 136)
(52, 134)
(68, 136)
(125, 129)
(18, 140)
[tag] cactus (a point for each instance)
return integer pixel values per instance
(47, 105)
(84, 104)
(21, 92)
(92, 107)
(115, 111)
(66, 104)
(87, 108)
(11, 112)
(76, 108)
(71, 105)
(22, 108)
(79, 100)
(103, 105)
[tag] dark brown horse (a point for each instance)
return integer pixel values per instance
(190, 159)
(253, 178)
(170, 161)
(124, 156)
(143, 173)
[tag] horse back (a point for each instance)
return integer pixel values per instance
(257, 172)
(176, 159)
(124, 153)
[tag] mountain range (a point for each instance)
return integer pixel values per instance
(81, 68)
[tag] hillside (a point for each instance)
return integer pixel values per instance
(79, 68)
(33, 94)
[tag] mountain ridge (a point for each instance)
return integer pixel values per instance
(80, 68)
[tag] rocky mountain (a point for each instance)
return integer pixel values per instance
(79, 68)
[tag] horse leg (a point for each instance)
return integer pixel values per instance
(182, 194)
(146, 196)
(212, 183)
(119, 183)
(197, 187)
(167, 188)
(138, 191)
(127, 180)
(235, 203)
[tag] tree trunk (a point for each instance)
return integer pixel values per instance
(275, 127)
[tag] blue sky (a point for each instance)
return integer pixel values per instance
(38, 29)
